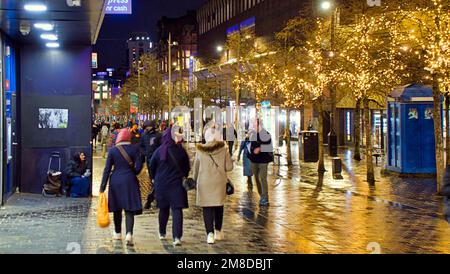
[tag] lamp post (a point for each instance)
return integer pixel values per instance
(332, 137)
(171, 44)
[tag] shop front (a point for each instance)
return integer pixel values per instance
(9, 126)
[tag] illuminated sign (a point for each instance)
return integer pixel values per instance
(118, 7)
(94, 60)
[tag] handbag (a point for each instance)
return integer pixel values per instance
(102, 211)
(188, 183)
(230, 187)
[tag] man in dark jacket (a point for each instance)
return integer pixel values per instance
(261, 154)
(150, 142)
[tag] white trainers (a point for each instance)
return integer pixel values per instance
(210, 239)
(177, 242)
(117, 236)
(218, 235)
(129, 239)
(162, 237)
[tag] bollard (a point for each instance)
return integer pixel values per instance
(104, 150)
(337, 168)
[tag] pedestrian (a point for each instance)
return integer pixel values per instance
(115, 129)
(135, 135)
(247, 170)
(124, 194)
(151, 141)
(212, 162)
(94, 134)
(105, 136)
(261, 154)
(168, 166)
(163, 126)
(78, 174)
(229, 140)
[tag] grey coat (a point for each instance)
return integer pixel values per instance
(212, 180)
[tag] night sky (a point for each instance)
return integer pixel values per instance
(116, 29)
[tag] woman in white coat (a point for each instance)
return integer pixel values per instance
(212, 162)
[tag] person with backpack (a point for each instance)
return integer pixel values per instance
(261, 154)
(150, 142)
(211, 164)
(122, 167)
(169, 165)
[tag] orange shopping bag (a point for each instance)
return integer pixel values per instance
(102, 211)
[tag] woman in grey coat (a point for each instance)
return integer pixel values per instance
(212, 162)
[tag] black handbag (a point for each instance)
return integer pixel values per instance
(188, 183)
(230, 187)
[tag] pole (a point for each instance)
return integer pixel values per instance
(332, 138)
(170, 74)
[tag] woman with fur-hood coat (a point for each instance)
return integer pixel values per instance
(212, 162)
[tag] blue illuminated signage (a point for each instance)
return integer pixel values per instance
(119, 7)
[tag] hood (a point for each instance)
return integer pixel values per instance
(211, 147)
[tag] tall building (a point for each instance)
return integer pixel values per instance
(138, 44)
(184, 35)
(219, 18)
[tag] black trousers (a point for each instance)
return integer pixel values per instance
(177, 221)
(129, 221)
(213, 218)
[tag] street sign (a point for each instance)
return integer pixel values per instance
(119, 7)
(134, 102)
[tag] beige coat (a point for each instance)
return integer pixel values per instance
(212, 181)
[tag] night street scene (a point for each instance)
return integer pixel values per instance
(238, 128)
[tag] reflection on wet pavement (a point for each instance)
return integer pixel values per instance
(307, 214)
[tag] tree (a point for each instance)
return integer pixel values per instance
(287, 44)
(317, 75)
(148, 84)
(368, 64)
(427, 31)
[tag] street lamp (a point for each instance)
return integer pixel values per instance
(332, 137)
(170, 44)
(326, 5)
(219, 48)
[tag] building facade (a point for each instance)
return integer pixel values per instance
(183, 32)
(40, 78)
(138, 45)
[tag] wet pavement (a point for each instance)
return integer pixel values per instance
(307, 214)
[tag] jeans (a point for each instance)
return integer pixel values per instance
(260, 173)
(129, 221)
(177, 221)
(80, 187)
(213, 218)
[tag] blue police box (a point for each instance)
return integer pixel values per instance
(411, 142)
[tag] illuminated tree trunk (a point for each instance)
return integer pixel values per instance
(447, 125)
(369, 145)
(321, 165)
(287, 135)
(438, 132)
(357, 155)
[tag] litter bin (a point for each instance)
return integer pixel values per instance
(310, 145)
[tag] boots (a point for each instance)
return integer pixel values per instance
(249, 184)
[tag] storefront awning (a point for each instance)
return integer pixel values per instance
(74, 25)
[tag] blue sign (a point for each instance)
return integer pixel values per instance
(248, 23)
(119, 7)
